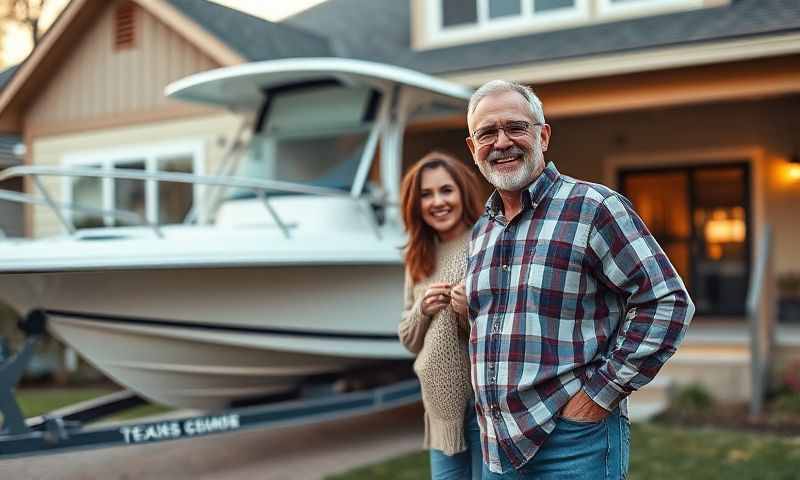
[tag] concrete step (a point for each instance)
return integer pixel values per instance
(651, 400)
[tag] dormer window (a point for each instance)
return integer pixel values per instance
(460, 21)
(456, 13)
(459, 12)
(454, 22)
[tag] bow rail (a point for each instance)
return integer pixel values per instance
(260, 186)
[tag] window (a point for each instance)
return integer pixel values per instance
(454, 22)
(323, 150)
(459, 12)
(165, 203)
(504, 8)
(458, 21)
(700, 217)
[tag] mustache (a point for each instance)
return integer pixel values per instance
(508, 152)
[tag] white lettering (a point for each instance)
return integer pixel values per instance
(151, 432)
(205, 425)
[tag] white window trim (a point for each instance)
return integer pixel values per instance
(151, 154)
(607, 10)
(486, 28)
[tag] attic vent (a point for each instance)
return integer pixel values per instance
(125, 26)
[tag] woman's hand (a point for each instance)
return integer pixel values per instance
(458, 299)
(436, 298)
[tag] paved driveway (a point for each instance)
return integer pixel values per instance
(306, 453)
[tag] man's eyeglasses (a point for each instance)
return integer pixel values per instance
(516, 129)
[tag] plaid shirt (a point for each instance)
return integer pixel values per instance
(573, 293)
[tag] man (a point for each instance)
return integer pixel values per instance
(574, 305)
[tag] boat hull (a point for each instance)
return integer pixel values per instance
(203, 338)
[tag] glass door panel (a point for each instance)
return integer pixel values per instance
(699, 215)
(662, 200)
(721, 248)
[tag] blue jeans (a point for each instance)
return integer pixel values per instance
(463, 465)
(576, 450)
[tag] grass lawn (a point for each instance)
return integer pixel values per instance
(659, 453)
(36, 401)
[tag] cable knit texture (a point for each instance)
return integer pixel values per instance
(440, 343)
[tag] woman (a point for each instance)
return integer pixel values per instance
(441, 200)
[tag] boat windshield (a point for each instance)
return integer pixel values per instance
(314, 136)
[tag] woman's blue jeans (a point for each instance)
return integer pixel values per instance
(576, 450)
(463, 465)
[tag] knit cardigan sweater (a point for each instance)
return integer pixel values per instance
(440, 343)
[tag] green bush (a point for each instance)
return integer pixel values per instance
(692, 398)
(786, 403)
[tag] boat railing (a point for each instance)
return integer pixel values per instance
(132, 217)
(260, 186)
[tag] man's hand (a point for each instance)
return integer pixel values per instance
(436, 297)
(458, 299)
(582, 408)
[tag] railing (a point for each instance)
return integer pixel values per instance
(126, 215)
(260, 186)
(761, 313)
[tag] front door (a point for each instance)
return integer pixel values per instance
(700, 217)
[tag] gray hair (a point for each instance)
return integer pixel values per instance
(500, 86)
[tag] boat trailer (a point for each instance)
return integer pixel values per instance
(66, 429)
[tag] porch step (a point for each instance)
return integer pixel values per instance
(651, 400)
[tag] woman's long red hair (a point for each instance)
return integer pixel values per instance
(420, 252)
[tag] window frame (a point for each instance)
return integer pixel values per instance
(487, 28)
(106, 159)
(606, 9)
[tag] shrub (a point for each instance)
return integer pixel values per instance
(692, 398)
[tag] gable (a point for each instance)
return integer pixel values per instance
(98, 81)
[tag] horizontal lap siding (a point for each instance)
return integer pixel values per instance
(97, 82)
(81, 108)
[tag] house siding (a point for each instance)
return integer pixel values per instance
(212, 131)
(96, 82)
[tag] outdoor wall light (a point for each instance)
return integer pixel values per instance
(794, 167)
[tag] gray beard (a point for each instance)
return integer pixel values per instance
(532, 166)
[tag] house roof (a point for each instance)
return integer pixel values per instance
(7, 156)
(252, 37)
(6, 75)
(386, 37)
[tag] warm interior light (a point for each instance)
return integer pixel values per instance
(726, 226)
(794, 171)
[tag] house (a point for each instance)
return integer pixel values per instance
(10, 155)
(688, 107)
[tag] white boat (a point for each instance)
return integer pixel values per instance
(289, 269)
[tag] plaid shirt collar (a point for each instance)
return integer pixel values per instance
(531, 196)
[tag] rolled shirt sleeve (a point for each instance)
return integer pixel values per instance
(627, 258)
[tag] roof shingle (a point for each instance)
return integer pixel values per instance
(252, 37)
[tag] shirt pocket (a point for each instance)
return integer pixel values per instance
(554, 286)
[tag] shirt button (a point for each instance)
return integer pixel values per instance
(496, 411)
(506, 268)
